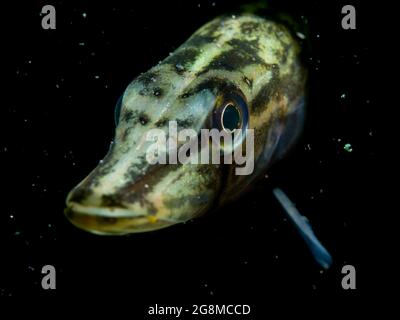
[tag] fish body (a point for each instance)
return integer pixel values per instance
(246, 61)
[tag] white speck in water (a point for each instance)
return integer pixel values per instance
(266, 176)
(318, 36)
(84, 14)
(213, 4)
(300, 35)
(81, 44)
(146, 186)
(5, 149)
(96, 77)
(370, 134)
(233, 16)
(343, 96)
(198, 5)
(276, 257)
(321, 271)
(11, 216)
(321, 190)
(348, 147)
(308, 146)
(101, 161)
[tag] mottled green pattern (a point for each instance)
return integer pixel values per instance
(248, 55)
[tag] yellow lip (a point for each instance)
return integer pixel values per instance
(112, 221)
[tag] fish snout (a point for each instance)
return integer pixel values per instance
(163, 196)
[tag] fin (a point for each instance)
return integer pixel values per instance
(321, 255)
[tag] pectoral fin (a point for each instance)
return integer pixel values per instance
(321, 255)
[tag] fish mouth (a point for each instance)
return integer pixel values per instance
(112, 221)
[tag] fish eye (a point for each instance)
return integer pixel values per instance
(231, 118)
(117, 111)
(232, 113)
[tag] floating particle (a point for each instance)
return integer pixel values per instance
(343, 96)
(348, 147)
(84, 14)
(81, 44)
(96, 77)
(300, 35)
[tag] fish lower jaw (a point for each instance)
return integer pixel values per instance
(112, 221)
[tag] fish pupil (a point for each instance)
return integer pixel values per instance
(231, 118)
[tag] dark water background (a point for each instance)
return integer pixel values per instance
(65, 84)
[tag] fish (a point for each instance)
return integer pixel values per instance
(241, 72)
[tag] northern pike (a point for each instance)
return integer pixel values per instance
(246, 63)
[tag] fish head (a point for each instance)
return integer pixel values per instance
(224, 78)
